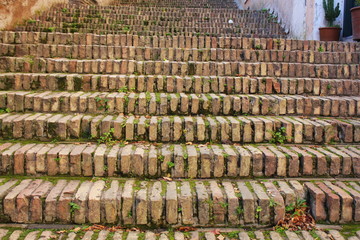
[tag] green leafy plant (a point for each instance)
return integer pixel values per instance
(171, 164)
(224, 204)
(278, 136)
(5, 110)
(73, 207)
(321, 49)
(258, 210)
(272, 203)
(331, 12)
(357, 3)
(280, 229)
(239, 210)
(123, 89)
(49, 29)
(295, 209)
(233, 235)
(102, 103)
(31, 21)
(107, 138)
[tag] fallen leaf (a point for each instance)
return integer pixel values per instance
(216, 231)
(220, 237)
(186, 229)
(167, 179)
(301, 221)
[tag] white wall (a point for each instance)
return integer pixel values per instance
(320, 21)
(302, 18)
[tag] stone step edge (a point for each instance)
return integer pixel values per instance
(176, 20)
(188, 42)
(74, 8)
(179, 104)
(196, 129)
(144, 54)
(205, 234)
(221, 51)
(179, 161)
(218, 129)
(192, 68)
(162, 31)
(27, 58)
(178, 84)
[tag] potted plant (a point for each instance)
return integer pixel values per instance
(355, 19)
(332, 32)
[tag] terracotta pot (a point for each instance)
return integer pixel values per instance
(329, 33)
(355, 19)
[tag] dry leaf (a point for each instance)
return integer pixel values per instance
(216, 231)
(167, 179)
(220, 237)
(301, 221)
(186, 229)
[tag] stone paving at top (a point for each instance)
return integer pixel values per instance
(167, 113)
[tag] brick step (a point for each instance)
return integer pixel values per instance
(146, 160)
(69, 9)
(48, 127)
(182, 4)
(176, 27)
(84, 2)
(171, 26)
(10, 37)
(178, 84)
(176, 54)
(160, 31)
(111, 66)
(127, 16)
(146, 103)
(179, 4)
(197, 234)
(173, 203)
(177, 19)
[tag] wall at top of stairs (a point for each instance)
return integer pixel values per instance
(15, 11)
(302, 19)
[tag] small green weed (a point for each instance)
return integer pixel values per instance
(73, 207)
(278, 136)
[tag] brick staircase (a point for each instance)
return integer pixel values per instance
(161, 114)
